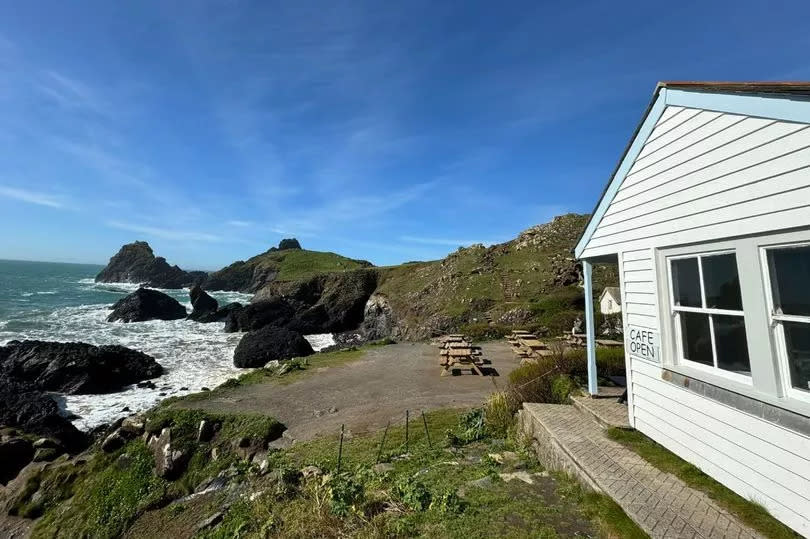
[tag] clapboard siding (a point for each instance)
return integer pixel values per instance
(757, 459)
(707, 176)
(638, 287)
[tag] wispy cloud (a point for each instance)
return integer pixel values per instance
(32, 197)
(238, 223)
(165, 233)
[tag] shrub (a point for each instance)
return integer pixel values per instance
(344, 494)
(413, 493)
(500, 410)
(447, 502)
(481, 331)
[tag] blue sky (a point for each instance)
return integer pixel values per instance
(389, 131)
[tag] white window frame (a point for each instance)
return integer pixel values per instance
(674, 317)
(775, 321)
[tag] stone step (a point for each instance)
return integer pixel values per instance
(607, 413)
(661, 504)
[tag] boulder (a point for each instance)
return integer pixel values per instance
(15, 454)
(146, 304)
(137, 263)
(267, 344)
(113, 442)
(169, 461)
(24, 406)
(379, 321)
(76, 368)
(203, 305)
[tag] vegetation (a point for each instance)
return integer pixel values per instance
(751, 513)
(528, 283)
(429, 491)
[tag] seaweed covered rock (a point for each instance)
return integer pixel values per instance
(146, 304)
(76, 368)
(267, 344)
(136, 263)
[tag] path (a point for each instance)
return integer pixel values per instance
(367, 393)
(571, 438)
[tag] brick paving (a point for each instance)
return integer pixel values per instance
(606, 411)
(661, 504)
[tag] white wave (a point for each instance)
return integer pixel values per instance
(193, 355)
(27, 294)
(320, 341)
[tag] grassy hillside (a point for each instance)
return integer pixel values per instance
(531, 281)
(279, 265)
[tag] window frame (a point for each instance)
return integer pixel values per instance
(775, 321)
(673, 311)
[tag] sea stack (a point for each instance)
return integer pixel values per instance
(136, 263)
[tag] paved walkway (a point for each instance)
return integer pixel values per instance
(605, 409)
(660, 503)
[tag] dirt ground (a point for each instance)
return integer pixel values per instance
(367, 393)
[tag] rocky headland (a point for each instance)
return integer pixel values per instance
(136, 263)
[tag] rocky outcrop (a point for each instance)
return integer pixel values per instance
(15, 454)
(204, 307)
(325, 303)
(137, 263)
(379, 321)
(169, 460)
(267, 344)
(146, 304)
(24, 406)
(75, 368)
(288, 243)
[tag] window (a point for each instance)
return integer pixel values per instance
(788, 270)
(610, 304)
(708, 313)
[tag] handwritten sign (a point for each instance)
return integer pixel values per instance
(643, 343)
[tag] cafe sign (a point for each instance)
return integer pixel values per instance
(644, 343)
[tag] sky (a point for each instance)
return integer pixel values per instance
(388, 131)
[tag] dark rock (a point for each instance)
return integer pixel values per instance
(24, 406)
(288, 243)
(113, 442)
(15, 454)
(206, 431)
(136, 263)
(379, 321)
(203, 305)
(267, 344)
(46, 443)
(146, 304)
(125, 409)
(271, 312)
(132, 427)
(146, 385)
(205, 389)
(325, 303)
(76, 368)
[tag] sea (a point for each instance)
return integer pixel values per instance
(62, 302)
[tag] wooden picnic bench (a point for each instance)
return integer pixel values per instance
(461, 357)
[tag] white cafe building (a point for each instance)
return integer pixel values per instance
(708, 217)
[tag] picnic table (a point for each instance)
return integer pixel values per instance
(464, 357)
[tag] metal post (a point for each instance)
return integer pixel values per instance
(340, 448)
(590, 334)
(407, 415)
(427, 433)
(382, 443)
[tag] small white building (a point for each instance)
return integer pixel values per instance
(708, 217)
(610, 302)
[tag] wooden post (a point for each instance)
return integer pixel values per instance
(590, 334)
(382, 443)
(427, 433)
(407, 418)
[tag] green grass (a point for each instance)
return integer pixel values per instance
(751, 513)
(298, 264)
(427, 494)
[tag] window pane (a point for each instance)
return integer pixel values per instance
(721, 282)
(686, 281)
(797, 341)
(732, 348)
(790, 275)
(697, 341)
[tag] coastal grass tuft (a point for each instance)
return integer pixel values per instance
(747, 511)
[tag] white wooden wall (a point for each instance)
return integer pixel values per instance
(707, 175)
(704, 176)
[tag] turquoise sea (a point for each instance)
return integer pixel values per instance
(61, 302)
